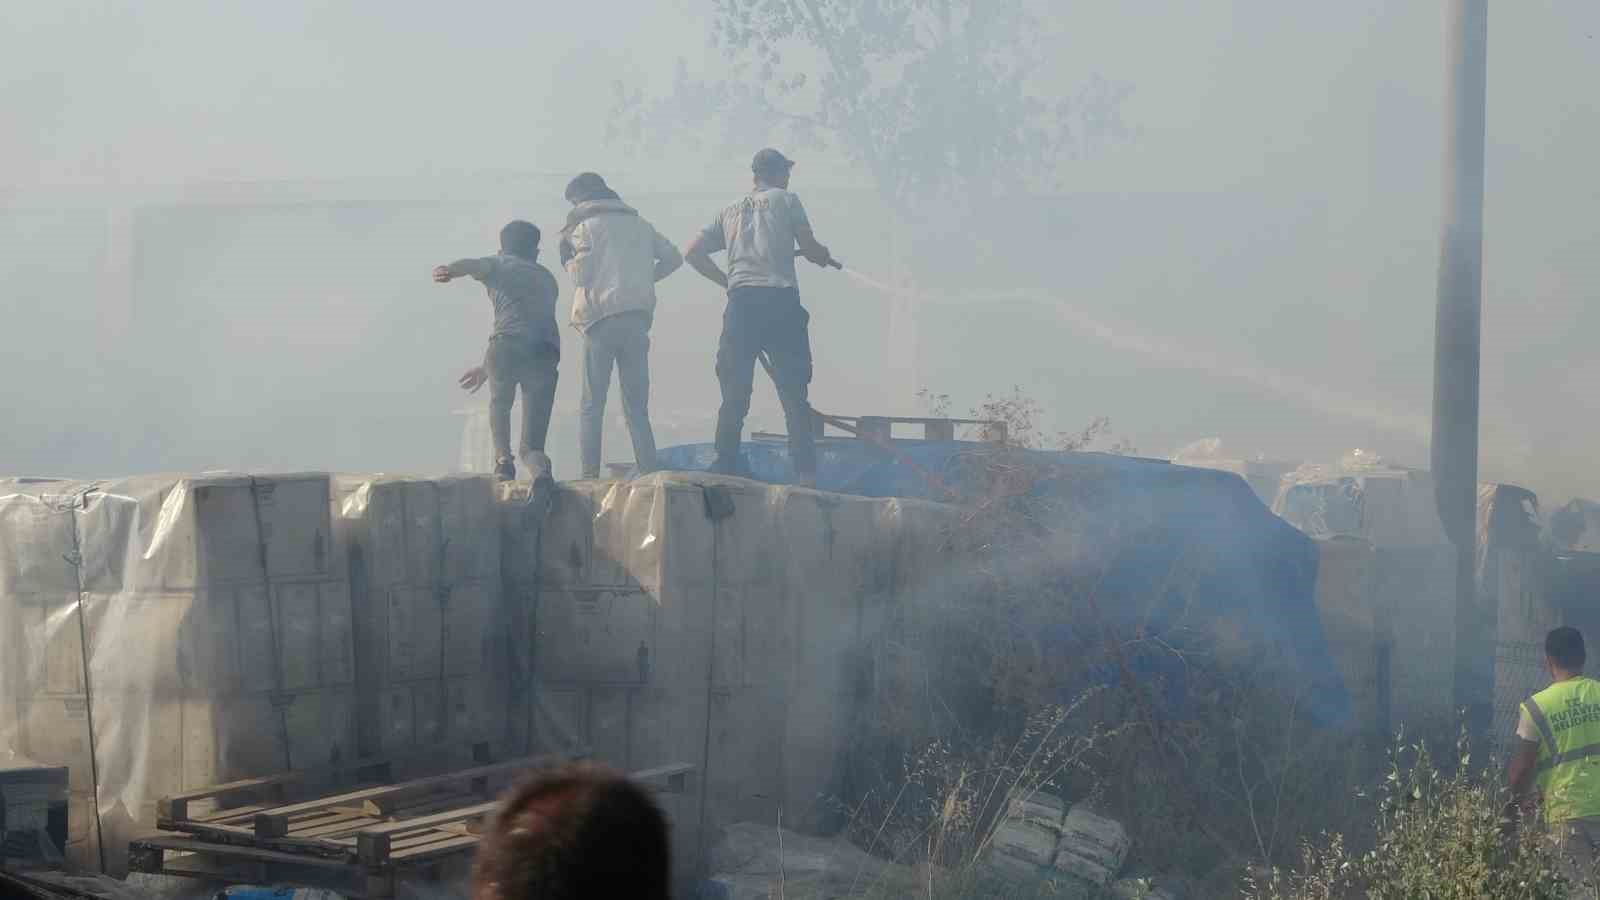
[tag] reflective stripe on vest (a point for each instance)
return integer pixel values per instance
(1567, 715)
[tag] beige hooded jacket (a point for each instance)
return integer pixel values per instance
(616, 259)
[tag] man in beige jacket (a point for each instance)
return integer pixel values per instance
(615, 258)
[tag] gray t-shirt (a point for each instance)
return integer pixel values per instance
(759, 234)
(523, 293)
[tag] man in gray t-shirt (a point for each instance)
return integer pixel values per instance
(761, 233)
(524, 346)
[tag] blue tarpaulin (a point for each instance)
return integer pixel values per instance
(1190, 555)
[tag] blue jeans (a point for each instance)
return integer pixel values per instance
(623, 340)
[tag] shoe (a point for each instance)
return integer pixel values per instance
(724, 466)
(538, 465)
(505, 470)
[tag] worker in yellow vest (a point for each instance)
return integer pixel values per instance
(1559, 747)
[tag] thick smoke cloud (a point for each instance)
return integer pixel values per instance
(218, 224)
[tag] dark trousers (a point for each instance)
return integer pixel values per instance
(513, 363)
(766, 319)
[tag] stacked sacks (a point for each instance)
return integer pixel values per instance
(1025, 843)
(1092, 846)
(1041, 840)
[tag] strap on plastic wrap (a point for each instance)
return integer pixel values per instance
(280, 700)
(79, 501)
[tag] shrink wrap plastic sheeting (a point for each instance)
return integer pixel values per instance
(1514, 572)
(1141, 522)
(691, 618)
(164, 633)
(430, 630)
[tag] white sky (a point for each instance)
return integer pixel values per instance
(1327, 112)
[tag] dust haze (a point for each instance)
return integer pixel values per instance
(217, 223)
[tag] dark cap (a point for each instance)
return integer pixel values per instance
(770, 160)
(586, 186)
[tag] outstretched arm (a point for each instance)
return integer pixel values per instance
(811, 248)
(473, 378)
(699, 259)
(804, 238)
(477, 268)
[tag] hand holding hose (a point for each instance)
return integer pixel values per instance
(827, 260)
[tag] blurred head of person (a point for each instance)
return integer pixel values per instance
(520, 238)
(576, 831)
(1564, 652)
(771, 168)
(588, 187)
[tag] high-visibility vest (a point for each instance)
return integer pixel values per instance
(1567, 715)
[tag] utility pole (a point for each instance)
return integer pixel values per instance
(1457, 345)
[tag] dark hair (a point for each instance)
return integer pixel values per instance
(1564, 646)
(588, 186)
(520, 238)
(576, 831)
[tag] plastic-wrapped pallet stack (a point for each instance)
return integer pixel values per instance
(689, 618)
(430, 639)
(1513, 575)
(175, 632)
(43, 704)
(1385, 590)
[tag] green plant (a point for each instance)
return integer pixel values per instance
(1438, 834)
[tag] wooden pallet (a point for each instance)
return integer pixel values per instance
(881, 428)
(359, 842)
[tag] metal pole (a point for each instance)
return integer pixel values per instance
(1457, 328)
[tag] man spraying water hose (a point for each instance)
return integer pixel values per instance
(761, 234)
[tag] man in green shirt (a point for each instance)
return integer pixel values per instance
(1558, 753)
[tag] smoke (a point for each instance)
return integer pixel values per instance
(1302, 393)
(212, 263)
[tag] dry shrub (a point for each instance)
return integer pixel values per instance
(1437, 834)
(941, 814)
(948, 799)
(1210, 775)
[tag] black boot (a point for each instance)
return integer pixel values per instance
(505, 469)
